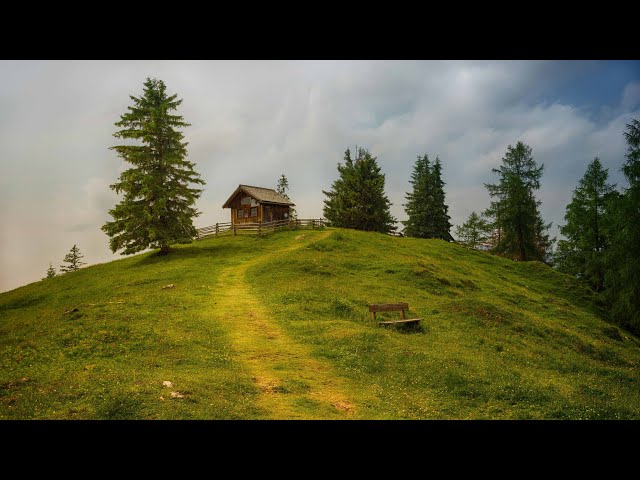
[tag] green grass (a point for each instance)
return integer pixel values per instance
(499, 339)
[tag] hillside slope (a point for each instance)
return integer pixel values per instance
(278, 327)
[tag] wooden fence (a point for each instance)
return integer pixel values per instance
(258, 228)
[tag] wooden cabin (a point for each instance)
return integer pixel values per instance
(256, 204)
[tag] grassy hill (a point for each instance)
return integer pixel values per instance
(278, 327)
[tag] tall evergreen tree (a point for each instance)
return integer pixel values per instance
(357, 199)
(419, 200)
(158, 205)
(441, 219)
(426, 208)
(283, 186)
(515, 210)
(51, 272)
(74, 259)
(622, 279)
(587, 228)
(474, 231)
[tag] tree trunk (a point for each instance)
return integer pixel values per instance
(164, 250)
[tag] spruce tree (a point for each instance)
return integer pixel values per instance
(158, 204)
(73, 258)
(622, 279)
(426, 208)
(419, 200)
(587, 228)
(474, 231)
(515, 210)
(51, 272)
(440, 217)
(283, 186)
(357, 199)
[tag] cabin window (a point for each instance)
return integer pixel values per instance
(246, 213)
(245, 201)
(254, 202)
(254, 211)
(239, 213)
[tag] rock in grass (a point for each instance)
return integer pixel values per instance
(171, 285)
(167, 384)
(176, 395)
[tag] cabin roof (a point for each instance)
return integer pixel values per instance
(263, 195)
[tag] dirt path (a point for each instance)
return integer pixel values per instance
(293, 384)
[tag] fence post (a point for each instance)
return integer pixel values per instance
(234, 229)
(216, 229)
(259, 227)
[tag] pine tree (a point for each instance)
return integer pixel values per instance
(441, 219)
(474, 231)
(357, 199)
(419, 201)
(283, 186)
(158, 205)
(622, 279)
(51, 272)
(426, 208)
(587, 228)
(73, 258)
(515, 212)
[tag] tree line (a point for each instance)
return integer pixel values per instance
(602, 233)
(602, 227)
(357, 200)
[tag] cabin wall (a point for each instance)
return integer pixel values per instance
(236, 204)
(274, 212)
(263, 212)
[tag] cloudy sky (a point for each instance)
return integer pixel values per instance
(253, 120)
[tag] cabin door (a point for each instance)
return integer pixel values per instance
(268, 213)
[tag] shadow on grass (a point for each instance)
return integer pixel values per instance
(407, 328)
(190, 252)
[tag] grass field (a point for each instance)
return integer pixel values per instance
(278, 327)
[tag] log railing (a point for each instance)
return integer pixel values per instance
(258, 228)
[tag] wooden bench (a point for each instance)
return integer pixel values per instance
(392, 307)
